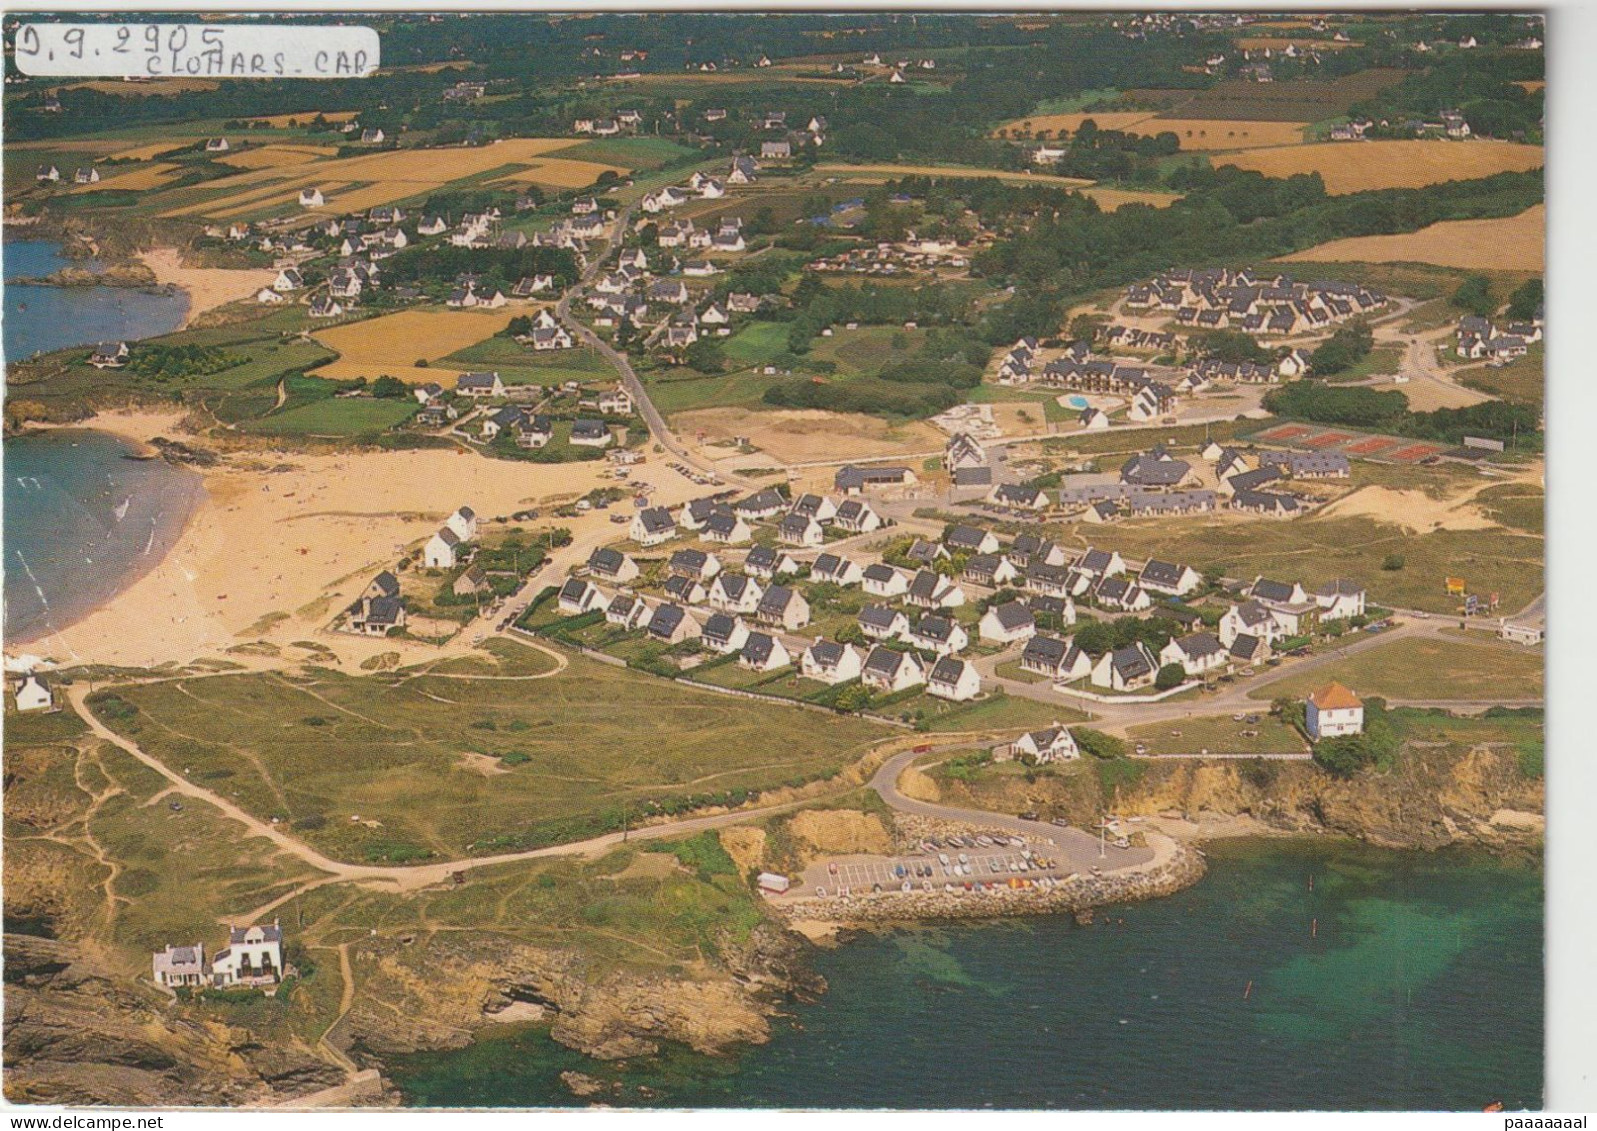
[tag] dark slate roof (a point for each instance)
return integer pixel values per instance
(720, 626)
(1200, 644)
(879, 571)
(680, 587)
(926, 585)
(384, 610)
(947, 670)
(776, 599)
(984, 565)
(1246, 647)
(852, 477)
(665, 620)
(1114, 588)
(656, 520)
(734, 585)
(795, 525)
(1251, 480)
(1340, 586)
(1045, 650)
(270, 931)
(757, 648)
(827, 653)
(1095, 560)
(761, 557)
(1162, 573)
(386, 583)
(966, 537)
(761, 501)
(973, 476)
(573, 589)
(1013, 614)
(721, 523)
(878, 616)
(885, 661)
(1268, 590)
(934, 628)
(692, 560)
(1132, 661)
(921, 550)
(606, 560)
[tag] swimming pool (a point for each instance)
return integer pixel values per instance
(1076, 402)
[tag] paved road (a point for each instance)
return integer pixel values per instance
(658, 427)
(1082, 848)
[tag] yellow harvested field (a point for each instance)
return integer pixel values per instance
(1070, 123)
(277, 156)
(804, 435)
(1357, 166)
(145, 87)
(388, 175)
(150, 152)
(950, 171)
(334, 200)
(1513, 243)
(1272, 43)
(280, 121)
(147, 177)
(561, 173)
(393, 343)
(1110, 199)
(1218, 133)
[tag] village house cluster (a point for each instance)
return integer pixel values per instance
(1481, 338)
(1254, 301)
(252, 958)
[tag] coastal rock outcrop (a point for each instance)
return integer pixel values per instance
(78, 1033)
(436, 994)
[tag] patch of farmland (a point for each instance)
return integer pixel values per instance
(393, 343)
(1222, 133)
(138, 180)
(1039, 124)
(560, 173)
(149, 152)
(1308, 100)
(277, 156)
(951, 171)
(281, 121)
(1358, 166)
(389, 175)
(1511, 243)
(1110, 199)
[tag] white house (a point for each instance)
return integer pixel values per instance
(800, 530)
(442, 550)
(311, 198)
(763, 652)
(882, 580)
(33, 694)
(1340, 598)
(1333, 711)
(1007, 623)
(887, 671)
(1052, 744)
(879, 622)
(954, 679)
(180, 966)
(725, 633)
(464, 523)
(579, 596)
(942, 635)
(1169, 578)
(1125, 669)
(1198, 653)
(735, 593)
(857, 516)
(830, 662)
(253, 956)
(652, 526)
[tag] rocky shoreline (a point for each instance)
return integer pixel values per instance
(1176, 866)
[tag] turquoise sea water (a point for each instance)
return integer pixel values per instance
(1401, 981)
(82, 522)
(51, 318)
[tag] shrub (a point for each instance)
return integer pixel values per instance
(1393, 562)
(1171, 675)
(1099, 744)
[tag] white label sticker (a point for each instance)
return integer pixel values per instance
(217, 51)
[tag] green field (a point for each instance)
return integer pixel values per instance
(1003, 712)
(1219, 734)
(631, 152)
(682, 390)
(1315, 550)
(422, 754)
(1445, 668)
(518, 365)
(757, 343)
(1524, 380)
(337, 416)
(1519, 506)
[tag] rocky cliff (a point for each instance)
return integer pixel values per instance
(77, 1033)
(1432, 798)
(437, 994)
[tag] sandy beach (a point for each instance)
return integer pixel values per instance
(283, 540)
(207, 287)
